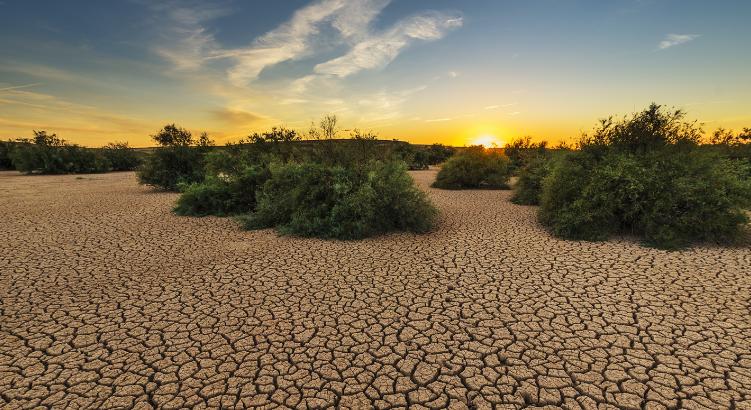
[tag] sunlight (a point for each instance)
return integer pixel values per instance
(487, 141)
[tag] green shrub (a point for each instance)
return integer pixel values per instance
(521, 151)
(439, 153)
(6, 162)
(415, 157)
(121, 156)
(528, 187)
(49, 154)
(223, 195)
(474, 167)
(646, 176)
(179, 160)
(334, 201)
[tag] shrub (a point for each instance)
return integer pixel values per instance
(6, 163)
(528, 187)
(521, 151)
(439, 153)
(474, 167)
(413, 156)
(334, 201)
(49, 154)
(645, 175)
(179, 159)
(121, 156)
(223, 195)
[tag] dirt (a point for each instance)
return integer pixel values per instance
(108, 300)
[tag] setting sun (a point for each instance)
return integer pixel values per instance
(487, 141)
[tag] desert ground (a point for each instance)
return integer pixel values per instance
(108, 300)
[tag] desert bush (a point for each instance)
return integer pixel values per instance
(279, 142)
(121, 156)
(474, 167)
(439, 153)
(645, 175)
(415, 157)
(223, 195)
(528, 187)
(420, 157)
(6, 162)
(521, 151)
(731, 145)
(334, 201)
(179, 159)
(49, 154)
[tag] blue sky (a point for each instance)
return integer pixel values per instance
(420, 70)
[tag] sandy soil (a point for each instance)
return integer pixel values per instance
(110, 301)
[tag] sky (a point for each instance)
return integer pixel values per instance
(423, 71)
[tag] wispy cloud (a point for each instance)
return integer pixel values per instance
(672, 40)
(297, 37)
(237, 117)
(439, 119)
(378, 50)
(192, 43)
(18, 87)
(497, 106)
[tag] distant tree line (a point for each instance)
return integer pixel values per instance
(49, 154)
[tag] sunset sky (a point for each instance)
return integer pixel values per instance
(418, 70)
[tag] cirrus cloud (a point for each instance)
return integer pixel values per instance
(672, 40)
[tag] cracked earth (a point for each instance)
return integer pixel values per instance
(110, 301)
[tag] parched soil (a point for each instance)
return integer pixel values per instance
(110, 301)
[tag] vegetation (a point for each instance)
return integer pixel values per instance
(421, 157)
(522, 151)
(528, 187)
(178, 161)
(342, 202)
(474, 167)
(121, 157)
(646, 175)
(6, 162)
(223, 195)
(342, 189)
(49, 154)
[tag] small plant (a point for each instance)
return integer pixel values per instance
(6, 162)
(121, 156)
(474, 167)
(528, 187)
(334, 201)
(223, 195)
(521, 151)
(179, 159)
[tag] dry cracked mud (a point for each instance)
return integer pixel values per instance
(111, 301)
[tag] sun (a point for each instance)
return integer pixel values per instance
(487, 141)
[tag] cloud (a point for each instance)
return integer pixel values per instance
(191, 43)
(18, 87)
(31, 110)
(380, 49)
(294, 39)
(237, 117)
(439, 119)
(676, 39)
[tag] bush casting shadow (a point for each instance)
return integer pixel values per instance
(646, 175)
